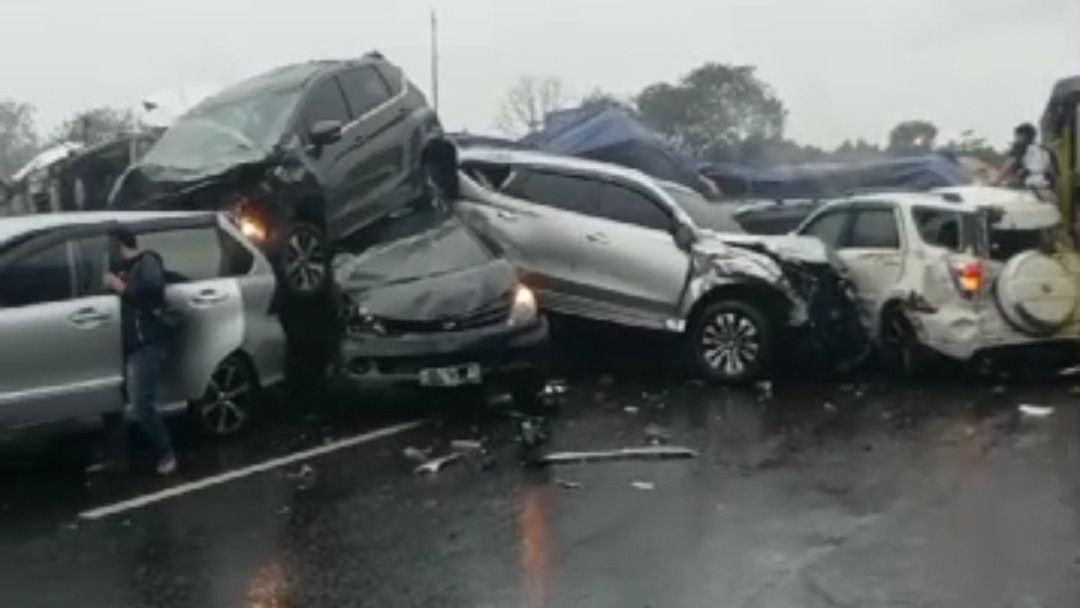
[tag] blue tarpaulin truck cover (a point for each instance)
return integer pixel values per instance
(613, 134)
(823, 180)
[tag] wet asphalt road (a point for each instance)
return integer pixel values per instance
(849, 492)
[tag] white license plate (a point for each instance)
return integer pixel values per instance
(455, 375)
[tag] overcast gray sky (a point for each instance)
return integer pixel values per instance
(845, 68)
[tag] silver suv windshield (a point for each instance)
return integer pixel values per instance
(705, 214)
(218, 135)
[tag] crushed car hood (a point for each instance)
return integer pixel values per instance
(788, 247)
(438, 272)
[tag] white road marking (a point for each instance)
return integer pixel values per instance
(276, 463)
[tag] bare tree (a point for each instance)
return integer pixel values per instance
(527, 102)
(18, 137)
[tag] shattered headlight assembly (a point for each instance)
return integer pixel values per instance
(523, 309)
(359, 323)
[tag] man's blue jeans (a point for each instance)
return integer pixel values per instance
(145, 367)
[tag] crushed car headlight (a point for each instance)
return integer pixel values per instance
(244, 213)
(252, 228)
(523, 309)
(360, 323)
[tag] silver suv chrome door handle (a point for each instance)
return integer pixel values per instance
(207, 297)
(88, 318)
(598, 238)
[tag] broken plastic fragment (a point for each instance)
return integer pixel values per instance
(657, 435)
(644, 453)
(1036, 411)
(631, 409)
(416, 454)
(645, 486)
(566, 484)
(466, 445)
(764, 388)
(304, 472)
(435, 465)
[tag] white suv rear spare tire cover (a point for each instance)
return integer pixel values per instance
(1036, 294)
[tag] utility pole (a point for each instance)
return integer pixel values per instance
(434, 60)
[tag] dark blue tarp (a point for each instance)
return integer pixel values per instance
(822, 180)
(613, 134)
(465, 140)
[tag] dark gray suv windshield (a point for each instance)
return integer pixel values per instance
(214, 135)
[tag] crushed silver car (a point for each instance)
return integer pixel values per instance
(971, 273)
(62, 356)
(611, 244)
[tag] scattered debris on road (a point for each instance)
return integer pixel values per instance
(631, 409)
(1035, 411)
(764, 389)
(467, 445)
(644, 486)
(435, 465)
(566, 484)
(657, 435)
(305, 471)
(643, 453)
(828, 406)
(416, 454)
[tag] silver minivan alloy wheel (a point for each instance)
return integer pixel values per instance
(225, 408)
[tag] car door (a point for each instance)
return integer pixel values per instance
(209, 304)
(60, 342)
(871, 250)
(629, 261)
(336, 161)
(536, 217)
(379, 122)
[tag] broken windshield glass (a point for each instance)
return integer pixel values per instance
(216, 135)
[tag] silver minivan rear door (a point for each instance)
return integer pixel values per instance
(60, 344)
(209, 304)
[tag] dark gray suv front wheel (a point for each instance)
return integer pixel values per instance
(730, 341)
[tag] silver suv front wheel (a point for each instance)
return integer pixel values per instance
(730, 342)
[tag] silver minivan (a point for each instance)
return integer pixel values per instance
(61, 356)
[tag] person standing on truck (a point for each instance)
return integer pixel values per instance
(140, 283)
(1029, 165)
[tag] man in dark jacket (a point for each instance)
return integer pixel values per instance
(140, 283)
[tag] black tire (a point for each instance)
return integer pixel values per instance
(901, 351)
(228, 405)
(730, 342)
(304, 262)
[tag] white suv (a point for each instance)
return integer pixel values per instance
(972, 273)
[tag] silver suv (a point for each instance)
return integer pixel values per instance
(612, 244)
(60, 346)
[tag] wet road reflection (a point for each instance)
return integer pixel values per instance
(807, 492)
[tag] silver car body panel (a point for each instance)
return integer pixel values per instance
(612, 271)
(59, 359)
(69, 364)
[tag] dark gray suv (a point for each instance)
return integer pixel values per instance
(302, 156)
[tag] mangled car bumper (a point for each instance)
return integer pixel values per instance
(441, 360)
(982, 334)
